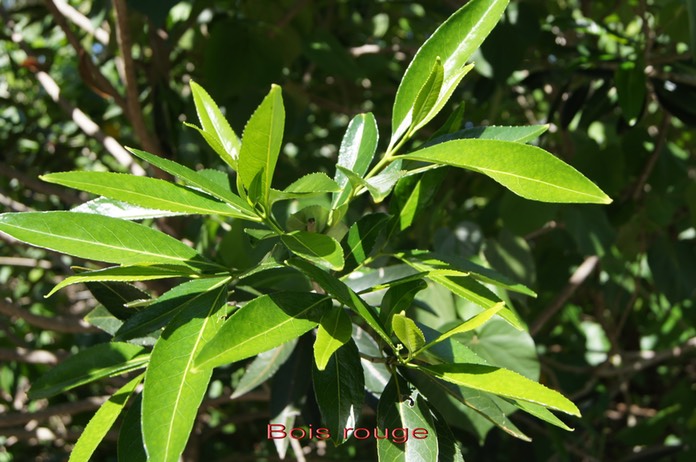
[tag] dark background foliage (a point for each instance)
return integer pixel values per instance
(616, 81)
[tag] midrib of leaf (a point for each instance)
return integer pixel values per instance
(274, 328)
(188, 369)
(362, 238)
(310, 250)
(534, 180)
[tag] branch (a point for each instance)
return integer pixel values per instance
(76, 407)
(81, 21)
(55, 323)
(133, 108)
(89, 72)
(638, 189)
(24, 355)
(648, 359)
(29, 181)
(578, 277)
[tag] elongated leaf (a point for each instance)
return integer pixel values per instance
(403, 407)
(412, 195)
(263, 367)
(501, 382)
(406, 330)
(321, 249)
(118, 209)
(173, 389)
(362, 237)
(100, 238)
(427, 95)
(470, 324)
(453, 42)
(344, 294)
(526, 170)
(339, 389)
(185, 296)
(126, 273)
(101, 423)
(334, 331)
(380, 185)
(214, 124)
(447, 446)
(630, 82)
(199, 180)
(115, 296)
(309, 185)
(88, 365)
(520, 134)
(261, 142)
(355, 154)
(130, 439)
(542, 413)
(143, 191)
(262, 324)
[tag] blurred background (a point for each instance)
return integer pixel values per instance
(614, 325)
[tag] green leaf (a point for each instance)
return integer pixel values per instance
(199, 180)
(526, 170)
(334, 331)
(215, 126)
(263, 367)
(262, 324)
(261, 142)
(309, 185)
(691, 11)
(118, 209)
(101, 423)
(630, 82)
(130, 439)
(355, 154)
(376, 374)
(362, 237)
(520, 134)
(185, 296)
(501, 382)
(339, 389)
(470, 324)
(344, 294)
(453, 42)
(115, 296)
(173, 389)
(412, 195)
(403, 407)
(447, 446)
(380, 185)
(142, 191)
(542, 413)
(400, 298)
(427, 96)
(100, 238)
(88, 365)
(126, 273)
(408, 333)
(320, 249)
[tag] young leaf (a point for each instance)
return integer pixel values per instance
(453, 42)
(355, 154)
(427, 95)
(215, 126)
(123, 210)
(339, 389)
(126, 273)
(130, 439)
(185, 296)
(88, 365)
(470, 324)
(520, 134)
(320, 249)
(380, 185)
(100, 238)
(542, 413)
(261, 142)
(309, 185)
(406, 330)
(173, 389)
(142, 191)
(343, 294)
(199, 180)
(399, 298)
(526, 170)
(334, 331)
(362, 237)
(403, 407)
(103, 420)
(501, 382)
(262, 324)
(263, 367)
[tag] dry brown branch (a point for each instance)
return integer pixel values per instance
(54, 323)
(76, 407)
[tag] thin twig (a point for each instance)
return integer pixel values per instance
(133, 108)
(54, 323)
(81, 21)
(578, 277)
(75, 407)
(24, 355)
(638, 189)
(647, 359)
